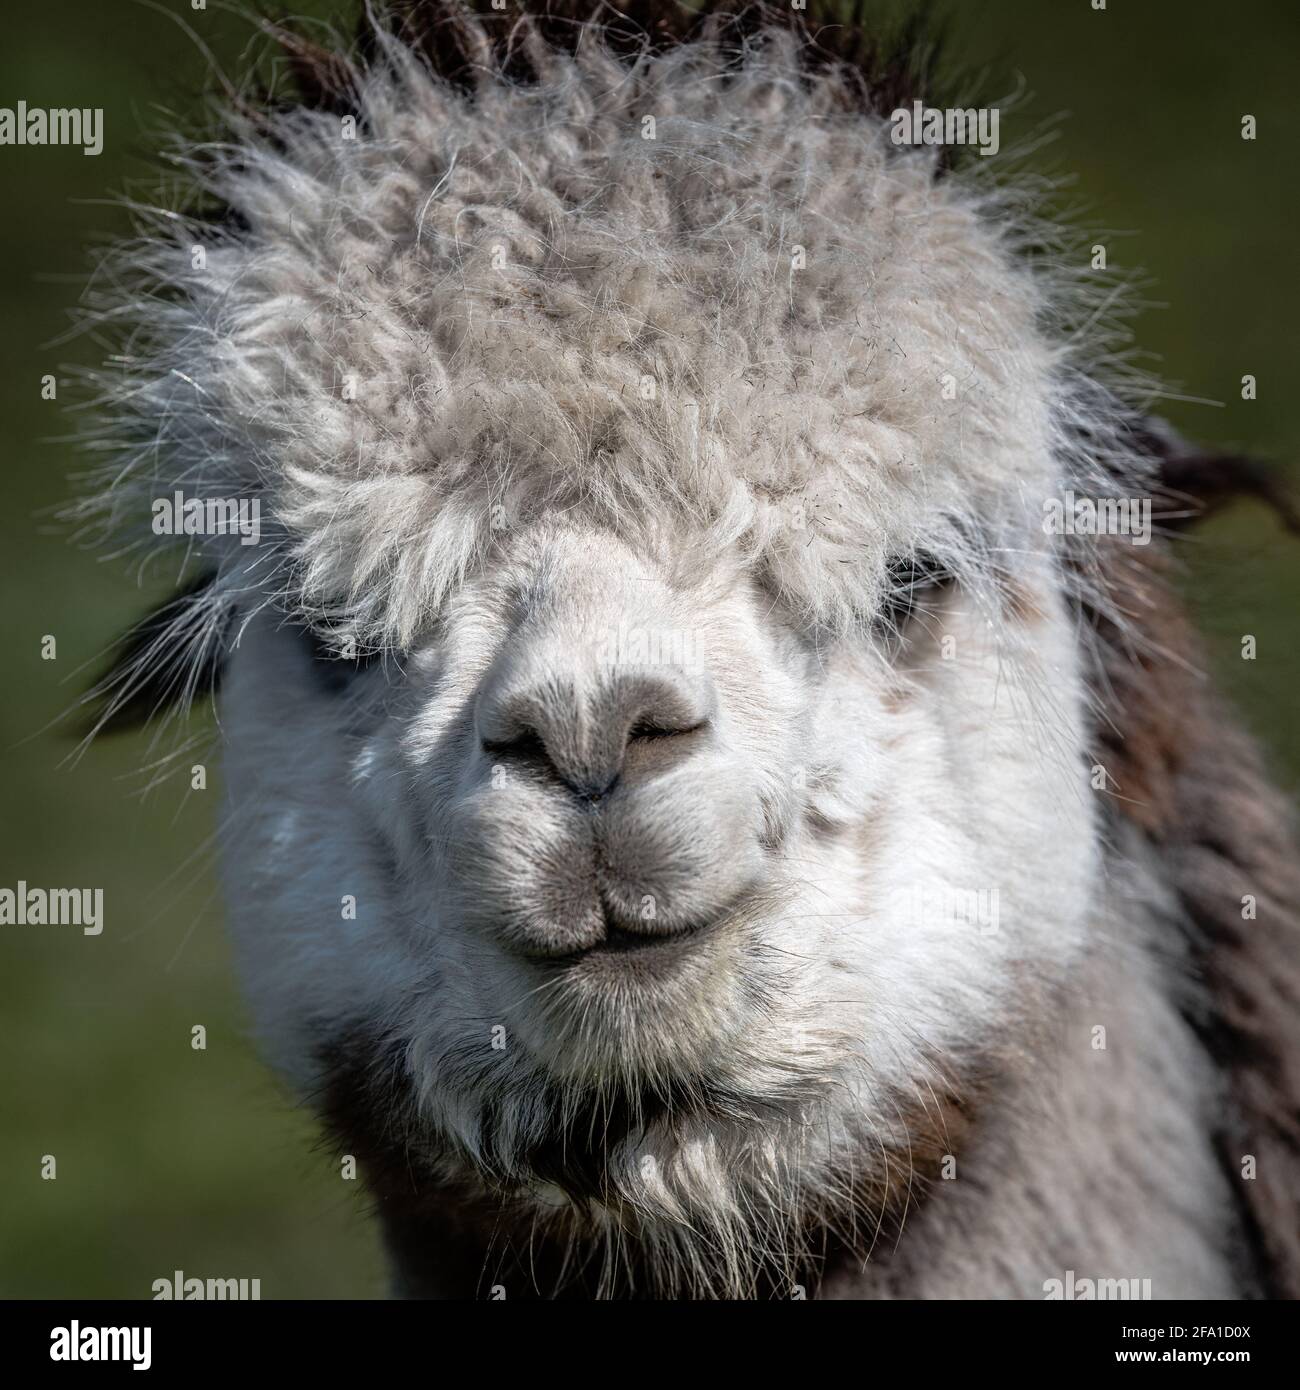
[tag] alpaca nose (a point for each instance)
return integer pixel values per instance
(591, 733)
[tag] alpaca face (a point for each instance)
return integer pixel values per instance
(619, 829)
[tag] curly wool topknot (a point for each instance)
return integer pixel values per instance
(694, 296)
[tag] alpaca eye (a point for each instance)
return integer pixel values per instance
(908, 579)
(337, 661)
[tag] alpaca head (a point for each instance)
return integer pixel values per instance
(654, 719)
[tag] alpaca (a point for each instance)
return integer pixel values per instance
(692, 827)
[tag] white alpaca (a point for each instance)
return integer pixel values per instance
(664, 832)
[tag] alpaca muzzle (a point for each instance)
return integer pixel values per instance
(606, 813)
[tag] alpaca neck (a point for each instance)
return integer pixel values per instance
(1095, 1159)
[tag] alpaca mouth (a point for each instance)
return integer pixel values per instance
(619, 947)
(620, 939)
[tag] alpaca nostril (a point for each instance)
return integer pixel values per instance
(522, 747)
(529, 749)
(647, 730)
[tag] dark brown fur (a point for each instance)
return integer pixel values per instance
(888, 64)
(1187, 775)
(455, 1230)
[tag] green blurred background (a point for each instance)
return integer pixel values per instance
(170, 1158)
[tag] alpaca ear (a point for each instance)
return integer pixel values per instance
(1193, 483)
(172, 655)
(324, 79)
